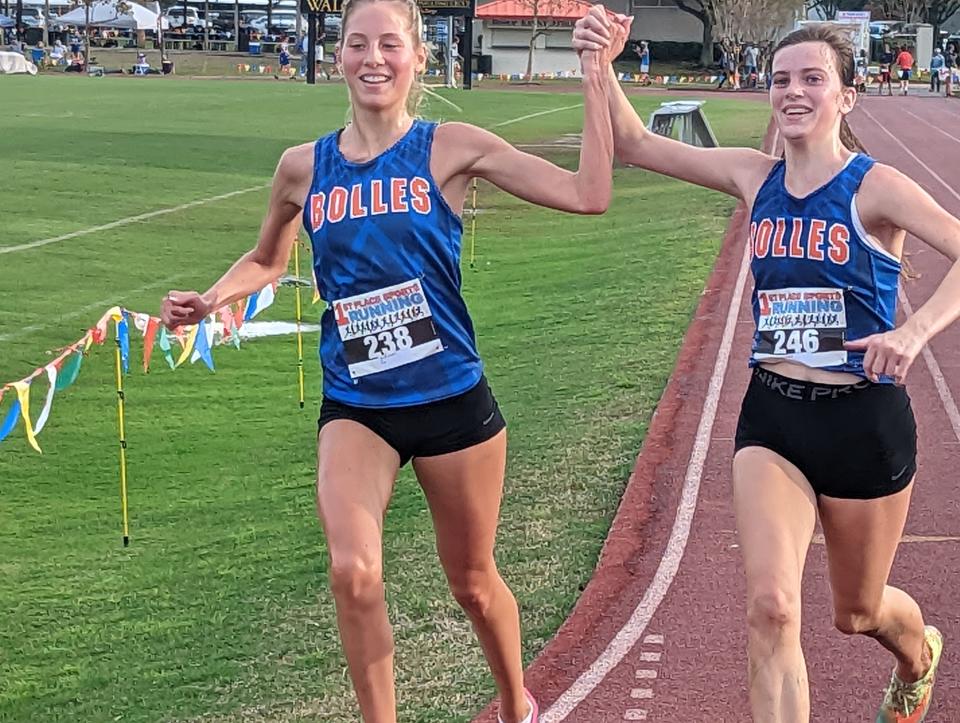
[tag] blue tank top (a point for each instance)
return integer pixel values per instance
(386, 250)
(819, 279)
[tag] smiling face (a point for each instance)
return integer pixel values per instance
(381, 53)
(807, 95)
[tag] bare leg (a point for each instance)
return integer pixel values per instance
(464, 490)
(862, 538)
(356, 474)
(776, 514)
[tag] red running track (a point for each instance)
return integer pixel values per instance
(659, 633)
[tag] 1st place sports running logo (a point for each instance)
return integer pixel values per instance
(386, 328)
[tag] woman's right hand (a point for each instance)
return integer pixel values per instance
(598, 31)
(184, 308)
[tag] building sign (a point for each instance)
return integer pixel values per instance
(427, 7)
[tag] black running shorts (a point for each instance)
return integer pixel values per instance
(853, 441)
(426, 430)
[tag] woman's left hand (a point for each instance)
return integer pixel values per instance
(889, 354)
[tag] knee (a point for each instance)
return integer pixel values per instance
(356, 582)
(859, 619)
(772, 611)
(473, 590)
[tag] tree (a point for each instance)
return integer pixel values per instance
(828, 8)
(756, 21)
(700, 10)
(909, 11)
(543, 12)
(938, 12)
(760, 22)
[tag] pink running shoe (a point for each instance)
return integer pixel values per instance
(534, 715)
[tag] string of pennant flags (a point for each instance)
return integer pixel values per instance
(195, 343)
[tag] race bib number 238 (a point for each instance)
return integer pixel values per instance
(386, 328)
(806, 325)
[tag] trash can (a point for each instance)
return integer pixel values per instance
(166, 67)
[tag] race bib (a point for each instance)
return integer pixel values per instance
(807, 326)
(386, 328)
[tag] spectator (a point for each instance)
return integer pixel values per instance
(77, 64)
(950, 65)
(751, 66)
(284, 59)
(862, 70)
(58, 53)
(936, 66)
(886, 69)
(904, 63)
(642, 50)
(724, 64)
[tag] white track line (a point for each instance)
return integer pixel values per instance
(631, 632)
(943, 389)
(938, 130)
(535, 115)
(128, 220)
(911, 154)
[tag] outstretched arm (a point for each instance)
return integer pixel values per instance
(267, 260)
(732, 170)
(586, 190)
(890, 199)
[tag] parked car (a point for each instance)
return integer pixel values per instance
(193, 19)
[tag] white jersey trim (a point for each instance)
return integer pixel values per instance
(869, 241)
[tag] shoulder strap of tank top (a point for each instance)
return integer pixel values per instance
(857, 169)
(774, 180)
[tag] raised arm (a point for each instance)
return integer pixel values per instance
(890, 200)
(587, 190)
(732, 170)
(268, 259)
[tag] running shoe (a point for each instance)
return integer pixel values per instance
(910, 702)
(534, 715)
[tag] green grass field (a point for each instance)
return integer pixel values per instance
(218, 610)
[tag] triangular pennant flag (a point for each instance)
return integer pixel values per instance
(23, 394)
(201, 349)
(10, 421)
(69, 370)
(249, 310)
(123, 340)
(149, 338)
(164, 344)
(259, 301)
(238, 312)
(48, 402)
(188, 345)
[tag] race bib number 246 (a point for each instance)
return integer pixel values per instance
(806, 325)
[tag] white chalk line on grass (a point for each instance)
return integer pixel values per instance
(535, 115)
(102, 305)
(630, 633)
(203, 201)
(129, 220)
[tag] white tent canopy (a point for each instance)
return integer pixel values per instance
(110, 14)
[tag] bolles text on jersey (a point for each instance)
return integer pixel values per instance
(800, 238)
(370, 198)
